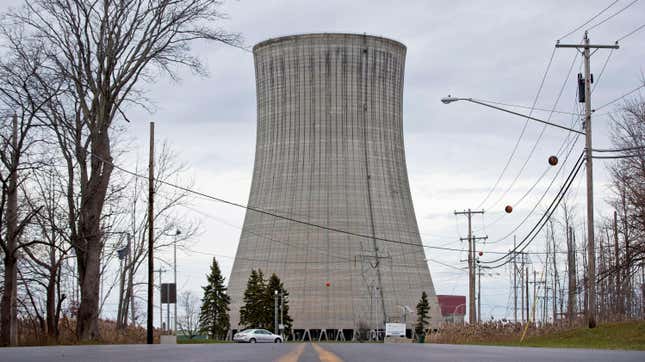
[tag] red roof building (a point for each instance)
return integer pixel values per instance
(453, 308)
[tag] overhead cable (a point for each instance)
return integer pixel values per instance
(588, 21)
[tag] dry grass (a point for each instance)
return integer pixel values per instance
(31, 335)
(489, 332)
(622, 335)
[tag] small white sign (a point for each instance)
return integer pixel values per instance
(395, 329)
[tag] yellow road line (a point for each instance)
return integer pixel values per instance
(294, 355)
(324, 355)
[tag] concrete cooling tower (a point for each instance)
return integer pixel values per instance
(330, 153)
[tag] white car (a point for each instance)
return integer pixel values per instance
(257, 336)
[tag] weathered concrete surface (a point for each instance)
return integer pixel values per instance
(330, 152)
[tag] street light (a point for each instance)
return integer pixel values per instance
(449, 99)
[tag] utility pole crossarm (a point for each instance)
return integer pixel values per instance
(589, 46)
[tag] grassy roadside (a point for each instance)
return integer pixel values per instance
(625, 335)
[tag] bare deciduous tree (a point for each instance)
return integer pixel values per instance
(104, 49)
(20, 95)
(188, 321)
(167, 221)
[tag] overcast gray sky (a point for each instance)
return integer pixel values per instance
(494, 50)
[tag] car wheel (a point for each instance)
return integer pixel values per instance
(278, 340)
(252, 340)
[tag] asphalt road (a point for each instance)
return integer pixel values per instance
(306, 352)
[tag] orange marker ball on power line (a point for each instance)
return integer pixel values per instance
(553, 160)
(508, 209)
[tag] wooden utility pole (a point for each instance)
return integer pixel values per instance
(521, 286)
(514, 279)
(151, 265)
(591, 251)
(534, 294)
(526, 278)
(555, 278)
(472, 318)
(619, 301)
(479, 293)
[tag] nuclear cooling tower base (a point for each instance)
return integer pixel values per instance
(336, 335)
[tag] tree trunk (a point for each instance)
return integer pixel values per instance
(571, 260)
(90, 245)
(8, 333)
(8, 326)
(51, 303)
(89, 266)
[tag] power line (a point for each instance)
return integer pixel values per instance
(537, 141)
(613, 15)
(447, 265)
(630, 33)
(588, 21)
(619, 149)
(615, 157)
(565, 143)
(545, 217)
(602, 70)
(519, 139)
(540, 200)
(287, 218)
(619, 98)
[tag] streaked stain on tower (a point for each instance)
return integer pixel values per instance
(330, 152)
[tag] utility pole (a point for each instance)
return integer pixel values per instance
(555, 279)
(151, 264)
(174, 251)
(591, 252)
(521, 286)
(534, 294)
(275, 312)
(514, 279)
(526, 279)
(160, 300)
(471, 267)
(479, 293)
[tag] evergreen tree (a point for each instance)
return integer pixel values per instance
(253, 312)
(423, 315)
(213, 317)
(274, 284)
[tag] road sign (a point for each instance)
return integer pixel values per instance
(168, 293)
(395, 329)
